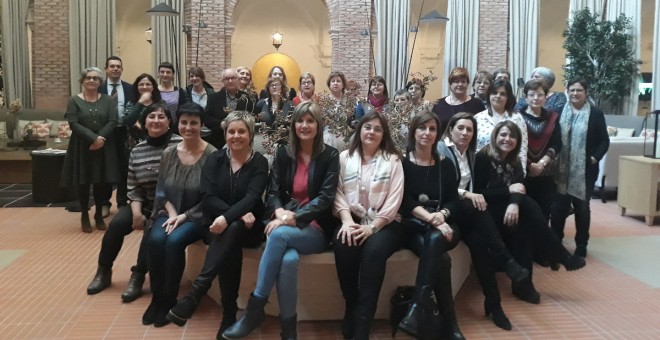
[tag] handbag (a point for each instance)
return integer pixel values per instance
(430, 325)
(399, 304)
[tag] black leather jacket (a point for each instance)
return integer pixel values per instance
(322, 186)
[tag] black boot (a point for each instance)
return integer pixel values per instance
(574, 262)
(362, 327)
(515, 271)
(100, 281)
(149, 315)
(134, 288)
(494, 310)
(161, 316)
(98, 220)
(289, 327)
(445, 298)
(252, 318)
(348, 322)
(227, 321)
(422, 304)
(182, 311)
(525, 290)
(84, 221)
(581, 251)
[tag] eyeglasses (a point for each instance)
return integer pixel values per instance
(305, 83)
(230, 78)
(92, 78)
(274, 86)
(375, 129)
(535, 95)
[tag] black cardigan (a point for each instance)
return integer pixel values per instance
(322, 186)
(216, 188)
(446, 191)
(488, 183)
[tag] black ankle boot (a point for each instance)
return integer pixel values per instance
(134, 288)
(149, 315)
(581, 251)
(362, 328)
(573, 262)
(348, 323)
(84, 222)
(227, 321)
(98, 220)
(422, 306)
(289, 328)
(515, 271)
(252, 318)
(526, 291)
(182, 311)
(100, 281)
(165, 306)
(494, 310)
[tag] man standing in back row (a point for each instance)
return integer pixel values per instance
(121, 92)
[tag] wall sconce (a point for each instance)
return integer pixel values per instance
(364, 33)
(277, 40)
(147, 34)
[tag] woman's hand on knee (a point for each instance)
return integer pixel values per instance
(345, 234)
(272, 225)
(361, 233)
(219, 225)
(511, 215)
(446, 231)
(248, 219)
(173, 222)
(478, 200)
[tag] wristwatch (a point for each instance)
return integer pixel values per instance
(445, 212)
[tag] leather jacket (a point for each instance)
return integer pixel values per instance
(322, 186)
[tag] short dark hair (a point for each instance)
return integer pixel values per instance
(112, 57)
(151, 108)
(417, 82)
(510, 97)
(197, 72)
(378, 79)
(167, 64)
(337, 74)
(452, 123)
(535, 84)
(386, 144)
(190, 108)
(577, 80)
(458, 73)
(155, 94)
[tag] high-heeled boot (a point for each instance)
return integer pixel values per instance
(84, 221)
(289, 328)
(515, 271)
(184, 309)
(494, 310)
(445, 298)
(101, 280)
(98, 219)
(422, 305)
(252, 318)
(525, 290)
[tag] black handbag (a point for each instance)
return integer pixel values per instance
(399, 304)
(431, 322)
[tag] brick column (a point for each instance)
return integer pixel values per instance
(212, 42)
(493, 35)
(351, 52)
(50, 55)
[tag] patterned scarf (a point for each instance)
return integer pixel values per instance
(378, 187)
(572, 158)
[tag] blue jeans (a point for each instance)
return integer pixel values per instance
(167, 257)
(279, 262)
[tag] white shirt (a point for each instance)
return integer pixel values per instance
(121, 102)
(463, 163)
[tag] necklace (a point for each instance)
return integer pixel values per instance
(233, 176)
(92, 104)
(428, 167)
(451, 106)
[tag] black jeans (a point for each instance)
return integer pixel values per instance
(582, 212)
(98, 189)
(120, 226)
(224, 259)
(361, 270)
(542, 189)
(434, 268)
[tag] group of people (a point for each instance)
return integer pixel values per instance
(480, 168)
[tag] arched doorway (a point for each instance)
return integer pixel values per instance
(263, 65)
(306, 44)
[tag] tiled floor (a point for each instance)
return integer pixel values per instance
(42, 291)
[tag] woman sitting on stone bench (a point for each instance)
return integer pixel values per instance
(233, 181)
(303, 182)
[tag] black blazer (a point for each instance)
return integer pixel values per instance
(215, 113)
(128, 90)
(321, 189)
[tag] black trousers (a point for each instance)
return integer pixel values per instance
(361, 270)
(99, 191)
(434, 268)
(113, 239)
(224, 259)
(543, 190)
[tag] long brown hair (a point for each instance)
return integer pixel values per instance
(493, 152)
(422, 118)
(386, 144)
(452, 123)
(313, 109)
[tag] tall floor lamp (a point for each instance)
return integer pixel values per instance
(432, 16)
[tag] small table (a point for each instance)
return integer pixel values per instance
(46, 173)
(639, 177)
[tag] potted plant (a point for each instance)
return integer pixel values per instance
(602, 52)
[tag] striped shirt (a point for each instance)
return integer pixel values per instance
(143, 172)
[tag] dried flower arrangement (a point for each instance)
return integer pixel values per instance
(277, 134)
(337, 115)
(398, 117)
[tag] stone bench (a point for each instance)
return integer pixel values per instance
(319, 295)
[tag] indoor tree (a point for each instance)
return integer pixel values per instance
(602, 52)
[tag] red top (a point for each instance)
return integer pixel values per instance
(300, 183)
